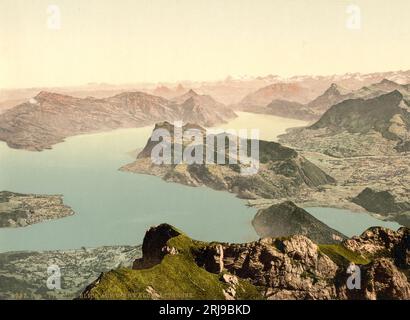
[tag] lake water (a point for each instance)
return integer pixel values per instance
(114, 207)
(270, 127)
(347, 222)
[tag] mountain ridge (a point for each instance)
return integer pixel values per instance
(315, 108)
(49, 117)
(358, 127)
(361, 116)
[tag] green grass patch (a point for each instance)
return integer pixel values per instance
(341, 255)
(176, 277)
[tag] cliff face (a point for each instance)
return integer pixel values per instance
(271, 268)
(282, 171)
(286, 219)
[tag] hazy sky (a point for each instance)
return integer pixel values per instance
(128, 41)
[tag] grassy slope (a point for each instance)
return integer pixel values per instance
(341, 255)
(176, 277)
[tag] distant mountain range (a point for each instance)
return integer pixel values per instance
(49, 117)
(305, 87)
(169, 93)
(316, 107)
(229, 91)
(336, 94)
(278, 91)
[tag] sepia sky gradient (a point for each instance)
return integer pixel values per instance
(129, 41)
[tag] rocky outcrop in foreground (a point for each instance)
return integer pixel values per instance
(174, 266)
(20, 210)
(286, 219)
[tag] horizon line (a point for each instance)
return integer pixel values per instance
(244, 77)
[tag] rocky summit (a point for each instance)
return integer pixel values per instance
(334, 94)
(174, 266)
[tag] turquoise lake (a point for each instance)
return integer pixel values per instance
(347, 222)
(114, 207)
